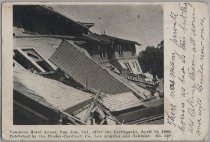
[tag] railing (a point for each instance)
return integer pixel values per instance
(138, 79)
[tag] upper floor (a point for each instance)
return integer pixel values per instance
(105, 48)
(42, 20)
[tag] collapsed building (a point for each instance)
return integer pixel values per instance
(65, 74)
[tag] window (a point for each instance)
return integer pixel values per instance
(25, 62)
(32, 55)
(133, 64)
(21, 60)
(128, 66)
(137, 66)
(44, 65)
(138, 69)
(120, 50)
(102, 52)
(30, 59)
(133, 49)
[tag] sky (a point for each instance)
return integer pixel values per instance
(141, 23)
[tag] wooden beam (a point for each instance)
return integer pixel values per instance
(101, 123)
(87, 114)
(72, 117)
(107, 112)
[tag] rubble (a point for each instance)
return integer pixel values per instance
(66, 75)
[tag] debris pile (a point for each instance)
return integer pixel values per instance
(65, 74)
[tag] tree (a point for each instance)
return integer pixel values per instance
(151, 60)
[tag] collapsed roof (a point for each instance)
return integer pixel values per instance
(55, 19)
(51, 93)
(83, 69)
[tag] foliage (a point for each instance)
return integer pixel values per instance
(151, 60)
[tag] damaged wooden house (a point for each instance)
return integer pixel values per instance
(65, 74)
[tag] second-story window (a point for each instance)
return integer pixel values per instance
(133, 64)
(133, 50)
(137, 66)
(120, 50)
(102, 51)
(104, 54)
(128, 66)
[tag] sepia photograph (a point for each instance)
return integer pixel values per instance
(88, 64)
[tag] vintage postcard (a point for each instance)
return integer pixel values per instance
(128, 70)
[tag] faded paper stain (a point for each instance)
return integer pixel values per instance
(186, 83)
